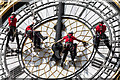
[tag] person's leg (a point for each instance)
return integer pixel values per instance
(106, 41)
(39, 43)
(75, 49)
(13, 33)
(34, 39)
(40, 35)
(64, 57)
(96, 43)
(38, 40)
(72, 55)
(17, 39)
(8, 38)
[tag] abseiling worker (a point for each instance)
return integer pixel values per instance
(12, 30)
(70, 46)
(35, 36)
(100, 35)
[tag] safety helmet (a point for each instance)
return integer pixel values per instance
(13, 13)
(101, 22)
(70, 32)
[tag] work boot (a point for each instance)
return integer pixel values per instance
(12, 39)
(45, 38)
(18, 50)
(74, 64)
(38, 47)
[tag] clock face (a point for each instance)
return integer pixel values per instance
(38, 62)
(79, 17)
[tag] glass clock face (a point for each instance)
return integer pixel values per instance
(39, 64)
(81, 17)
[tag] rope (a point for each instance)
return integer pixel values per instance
(34, 11)
(33, 31)
(13, 7)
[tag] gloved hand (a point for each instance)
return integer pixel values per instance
(85, 44)
(7, 29)
(56, 44)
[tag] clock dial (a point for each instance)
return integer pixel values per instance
(81, 17)
(39, 64)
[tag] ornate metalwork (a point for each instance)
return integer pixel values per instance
(4, 4)
(38, 62)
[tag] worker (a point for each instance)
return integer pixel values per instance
(70, 46)
(100, 35)
(12, 20)
(35, 36)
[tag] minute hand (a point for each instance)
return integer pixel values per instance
(59, 23)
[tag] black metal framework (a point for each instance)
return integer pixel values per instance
(90, 13)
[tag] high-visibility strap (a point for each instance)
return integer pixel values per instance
(69, 38)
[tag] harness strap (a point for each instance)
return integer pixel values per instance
(12, 18)
(101, 26)
(69, 39)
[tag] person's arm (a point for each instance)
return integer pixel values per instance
(16, 20)
(9, 20)
(74, 38)
(80, 40)
(7, 28)
(60, 40)
(104, 29)
(84, 42)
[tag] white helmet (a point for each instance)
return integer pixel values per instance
(13, 13)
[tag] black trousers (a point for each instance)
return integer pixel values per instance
(36, 37)
(11, 33)
(105, 39)
(72, 48)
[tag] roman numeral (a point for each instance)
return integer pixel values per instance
(16, 71)
(97, 63)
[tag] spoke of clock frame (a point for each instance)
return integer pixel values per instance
(83, 11)
(23, 22)
(31, 10)
(35, 5)
(91, 17)
(71, 9)
(86, 14)
(70, 25)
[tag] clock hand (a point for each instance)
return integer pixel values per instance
(58, 29)
(59, 23)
